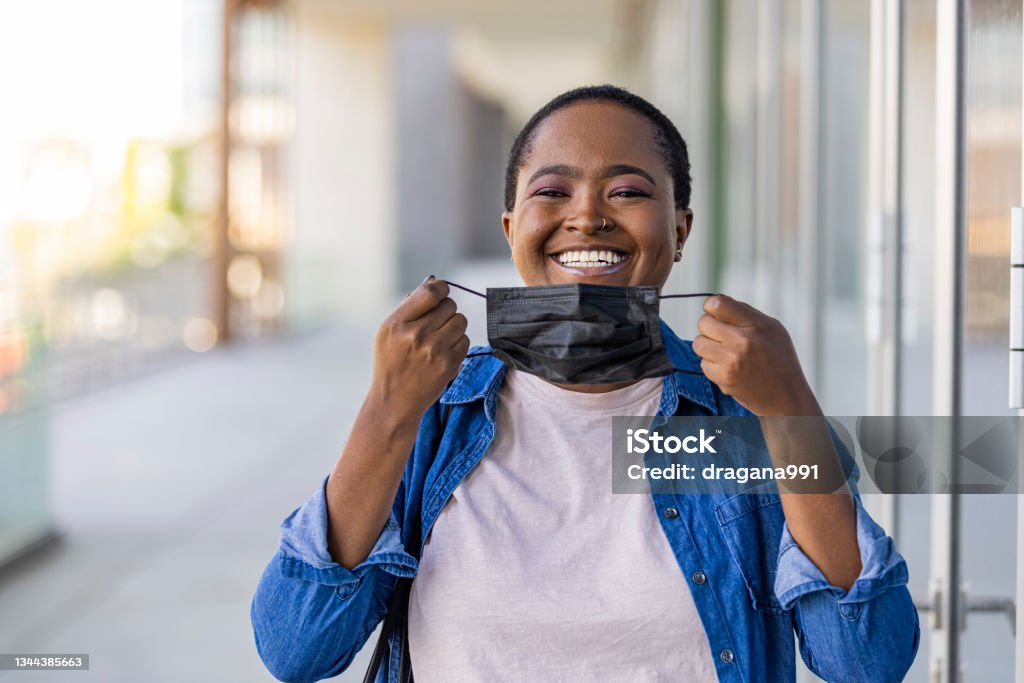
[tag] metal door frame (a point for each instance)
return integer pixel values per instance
(885, 233)
(1019, 640)
(950, 226)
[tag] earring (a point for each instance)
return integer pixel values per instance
(679, 253)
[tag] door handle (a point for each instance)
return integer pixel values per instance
(980, 604)
(1017, 307)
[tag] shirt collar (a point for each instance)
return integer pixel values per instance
(481, 376)
(696, 388)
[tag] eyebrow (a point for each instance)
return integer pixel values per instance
(609, 172)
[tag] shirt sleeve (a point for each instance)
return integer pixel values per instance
(870, 632)
(311, 615)
(304, 547)
(882, 567)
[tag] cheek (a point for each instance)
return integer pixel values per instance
(537, 214)
(533, 228)
(660, 239)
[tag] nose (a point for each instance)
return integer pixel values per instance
(586, 217)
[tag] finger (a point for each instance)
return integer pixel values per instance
(461, 346)
(708, 348)
(729, 310)
(714, 372)
(454, 327)
(440, 315)
(715, 329)
(422, 300)
(458, 356)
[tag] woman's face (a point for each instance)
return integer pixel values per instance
(594, 163)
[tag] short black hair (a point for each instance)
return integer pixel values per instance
(666, 136)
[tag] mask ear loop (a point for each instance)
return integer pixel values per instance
(686, 296)
(466, 289)
(482, 296)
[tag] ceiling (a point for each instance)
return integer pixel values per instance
(521, 53)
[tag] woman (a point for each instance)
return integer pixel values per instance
(493, 492)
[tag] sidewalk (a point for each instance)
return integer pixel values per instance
(168, 492)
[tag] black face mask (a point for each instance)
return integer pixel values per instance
(579, 334)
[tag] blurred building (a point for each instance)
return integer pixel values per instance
(298, 164)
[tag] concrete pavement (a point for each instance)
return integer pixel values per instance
(168, 491)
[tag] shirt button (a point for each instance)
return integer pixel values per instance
(671, 513)
(699, 578)
(726, 656)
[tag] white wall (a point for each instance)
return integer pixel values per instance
(341, 262)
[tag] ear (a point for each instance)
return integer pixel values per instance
(506, 225)
(684, 224)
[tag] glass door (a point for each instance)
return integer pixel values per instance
(978, 178)
(992, 132)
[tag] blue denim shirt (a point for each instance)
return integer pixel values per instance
(751, 583)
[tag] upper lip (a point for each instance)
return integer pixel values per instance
(588, 247)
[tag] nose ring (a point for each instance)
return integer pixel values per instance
(604, 222)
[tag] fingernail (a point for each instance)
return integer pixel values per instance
(427, 279)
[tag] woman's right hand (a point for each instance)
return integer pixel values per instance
(418, 350)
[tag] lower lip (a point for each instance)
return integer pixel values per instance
(590, 272)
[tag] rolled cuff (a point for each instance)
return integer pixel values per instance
(882, 567)
(304, 554)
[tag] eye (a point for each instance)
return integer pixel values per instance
(629, 193)
(549, 192)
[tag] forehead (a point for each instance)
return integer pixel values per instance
(595, 134)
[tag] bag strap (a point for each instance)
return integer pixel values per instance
(400, 596)
(385, 633)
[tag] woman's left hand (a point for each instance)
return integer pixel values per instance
(750, 356)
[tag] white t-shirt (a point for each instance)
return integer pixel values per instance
(535, 571)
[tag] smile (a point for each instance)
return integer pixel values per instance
(593, 262)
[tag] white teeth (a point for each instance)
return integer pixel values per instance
(589, 259)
